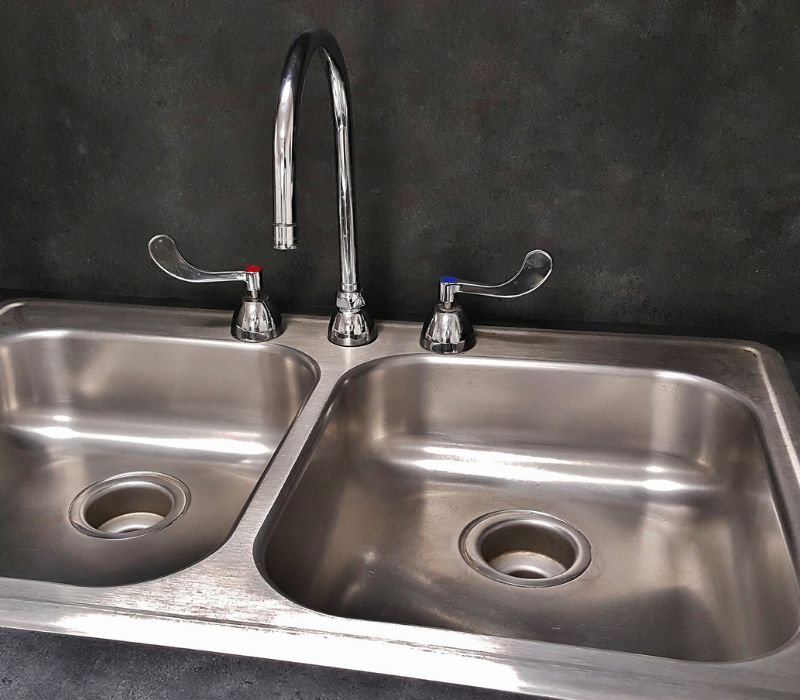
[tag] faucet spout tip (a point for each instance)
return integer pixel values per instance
(285, 236)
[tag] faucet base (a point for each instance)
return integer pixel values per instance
(351, 329)
(351, 324)
(256, 321)
(447, 331)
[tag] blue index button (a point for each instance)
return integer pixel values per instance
(448, 278)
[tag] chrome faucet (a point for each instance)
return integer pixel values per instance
(256, 319)
(351, 323)
(448, 330)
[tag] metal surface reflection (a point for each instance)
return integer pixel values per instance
(414, 449)
(673, 458)
(92, 406)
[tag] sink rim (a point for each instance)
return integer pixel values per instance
(194, 608)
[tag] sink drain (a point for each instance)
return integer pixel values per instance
(525, 548)
(129, 505)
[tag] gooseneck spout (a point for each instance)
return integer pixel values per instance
(351, 323)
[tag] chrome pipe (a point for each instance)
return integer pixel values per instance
(351, 324)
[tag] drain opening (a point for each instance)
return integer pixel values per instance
(525, 548)
(129, 505)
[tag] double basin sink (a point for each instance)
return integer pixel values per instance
(559, 514)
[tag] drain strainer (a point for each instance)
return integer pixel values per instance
(129, 505)
(525, 548)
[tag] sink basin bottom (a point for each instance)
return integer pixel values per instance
(663, 474)
(123, 458)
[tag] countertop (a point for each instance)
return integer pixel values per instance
(33, 664)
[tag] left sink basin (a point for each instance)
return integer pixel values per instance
(124, 457)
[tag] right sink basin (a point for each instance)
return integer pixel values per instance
(605, 507)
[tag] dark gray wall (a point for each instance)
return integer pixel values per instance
(652, 147)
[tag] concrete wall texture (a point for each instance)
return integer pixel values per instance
(652, 147)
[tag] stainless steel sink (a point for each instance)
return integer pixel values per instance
(107, 438)
(567, 515)
(664, 474)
